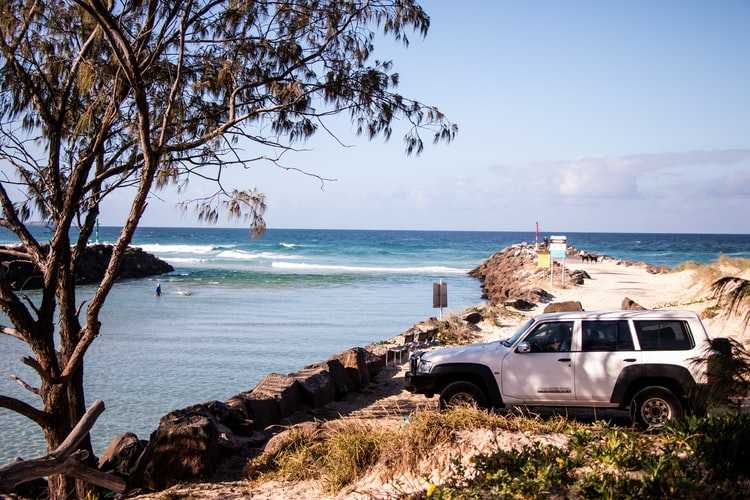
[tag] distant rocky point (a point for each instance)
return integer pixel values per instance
(136, 264)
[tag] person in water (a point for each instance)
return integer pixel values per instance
(158, 289)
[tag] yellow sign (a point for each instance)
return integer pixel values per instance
(542, 259)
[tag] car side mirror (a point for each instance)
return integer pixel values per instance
(523, 347)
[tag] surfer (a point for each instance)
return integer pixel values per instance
(158, 289)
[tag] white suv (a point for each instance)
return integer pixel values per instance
(642, 360)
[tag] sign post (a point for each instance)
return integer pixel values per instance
(558, 249)
(440, 296)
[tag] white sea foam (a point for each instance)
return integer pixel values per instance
(244, 255)
(369, 269)
(289, 245)
(161, 248)
(184, 260)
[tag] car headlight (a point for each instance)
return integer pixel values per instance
(424, 366)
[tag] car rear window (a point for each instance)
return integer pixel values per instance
(606, 336)
(670, 335)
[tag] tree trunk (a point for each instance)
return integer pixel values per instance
(66, 404)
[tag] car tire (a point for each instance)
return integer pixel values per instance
(462, 394)
(653, 407)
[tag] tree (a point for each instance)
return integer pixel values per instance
(104, 95)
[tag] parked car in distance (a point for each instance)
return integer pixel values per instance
(637, 360)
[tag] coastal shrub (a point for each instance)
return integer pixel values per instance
(693, 458)
(455, 331)
(337, 457)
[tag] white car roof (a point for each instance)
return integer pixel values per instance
(616, 314)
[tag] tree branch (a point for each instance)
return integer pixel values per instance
(42, 418)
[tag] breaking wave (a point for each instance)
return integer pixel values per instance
(299, 266)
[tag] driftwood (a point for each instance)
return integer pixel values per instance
(65, 459)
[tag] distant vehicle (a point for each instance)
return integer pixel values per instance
(637, 360)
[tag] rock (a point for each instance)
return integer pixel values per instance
(338, 373)
(234, 416)
(375, 360)
(185, 447)
(121, 454)
(278, 442)
(317, 384)
(630, 305)
(578, 276)
(472, 317)
(354, 361)
(521, 304)
(91, 268)
(285, 390)
(656, 269)
(567, 306)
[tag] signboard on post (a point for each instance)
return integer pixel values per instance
(558, 246)
(440, 296)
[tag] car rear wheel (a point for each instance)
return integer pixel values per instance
(653, 407)
(462, 394)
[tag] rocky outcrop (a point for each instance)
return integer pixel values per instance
(121, 455)
(567, 306)
(512, 274)
(629, 304)
(136, 264)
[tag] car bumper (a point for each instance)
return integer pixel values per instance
(421, 383)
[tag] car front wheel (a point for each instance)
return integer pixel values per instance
(462, 394)
(653, 407)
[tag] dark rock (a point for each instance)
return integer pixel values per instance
(136, 263)
(185, 447)
(577, 277)
(121, 454)
(354, 361)
(375, 360)
(567, 306)
(317, 384)
(630, 305)
(234, 416)
(521, 304)
(338, 373)
(286, 391)
(472, 317)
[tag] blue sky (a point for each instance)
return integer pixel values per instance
(585, 116)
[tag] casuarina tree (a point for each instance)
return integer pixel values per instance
(100, 96)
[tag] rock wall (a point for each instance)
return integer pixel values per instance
(512, 277)
(191, 443)
(136, 264)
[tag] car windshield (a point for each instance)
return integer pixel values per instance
(512, 339)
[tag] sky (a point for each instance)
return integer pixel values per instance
(584, 116)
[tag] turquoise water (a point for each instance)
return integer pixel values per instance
(236, 308)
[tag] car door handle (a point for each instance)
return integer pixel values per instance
(564, 360)
(629, 360)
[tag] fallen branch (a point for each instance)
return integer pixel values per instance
(65, 459)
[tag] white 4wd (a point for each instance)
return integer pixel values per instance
(642, 360)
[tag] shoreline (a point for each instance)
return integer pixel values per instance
(314, 392)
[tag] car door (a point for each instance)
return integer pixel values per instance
(606, 348)
(539, 368)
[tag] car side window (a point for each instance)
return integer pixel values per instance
(606, 336)
(554, 336)
(670, 335)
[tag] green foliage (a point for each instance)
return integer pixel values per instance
(694, 458)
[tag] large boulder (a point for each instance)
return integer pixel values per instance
(185, 447)
(375, 360)
(338, 373)
(567, 306)
(121, 454)
(354, 361)
(282, 390)
(629, 304)
(317, 385)
(472, 316)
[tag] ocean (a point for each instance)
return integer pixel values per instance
(236, 308)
